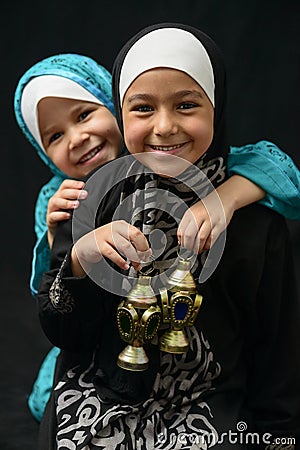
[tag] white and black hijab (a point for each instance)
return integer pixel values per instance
(181, 47)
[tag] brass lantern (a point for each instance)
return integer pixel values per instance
(138, 319)
(180, 303)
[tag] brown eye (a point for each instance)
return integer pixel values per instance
(187, 105)
(143, 108)
(84, 115)
(54, 137)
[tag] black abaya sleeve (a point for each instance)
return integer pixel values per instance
(274, 375)
(73, 320)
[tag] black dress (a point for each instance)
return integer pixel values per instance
(239, 382)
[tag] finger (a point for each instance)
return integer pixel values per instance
(207, 245)
(136, 266)
(131, 234)
(138, 239)
(215, 233)
(141, 245)
(203, 237)
(126, 248)
(145, 256)
(189, 236)
(72, 184)
(108, 251)
(188, 230)
(71, 194)
(58, 216)
(56, 204)
(182, 225)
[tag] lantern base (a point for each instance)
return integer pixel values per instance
(174, 341)
(133, 358)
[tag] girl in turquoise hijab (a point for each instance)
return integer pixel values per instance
(77, 77)
(95, 80)
(68, 76)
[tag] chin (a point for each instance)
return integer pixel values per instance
(167, 166)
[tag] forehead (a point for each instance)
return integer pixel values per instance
(51, 106)
(61, 101)
(163, 81)
(172, 77)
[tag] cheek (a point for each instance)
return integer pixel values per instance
(118, 143)
(204, 131)
(52, 155)
(114, 134)
(59, 156)
(133, 135)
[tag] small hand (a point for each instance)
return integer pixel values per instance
(202, 224)
(116, 241)
(66, 197)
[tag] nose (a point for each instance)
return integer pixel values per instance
(77, 137)
(165, 123)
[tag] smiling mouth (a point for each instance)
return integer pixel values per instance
(166, 148)
(91, 154)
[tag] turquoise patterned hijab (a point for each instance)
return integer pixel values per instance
(80, 69)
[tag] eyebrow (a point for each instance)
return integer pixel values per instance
(192, 92)
(177, 94)
(135, 97)
(48, 131)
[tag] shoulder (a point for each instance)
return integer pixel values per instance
(255, 228)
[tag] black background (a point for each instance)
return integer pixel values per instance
(260, 43)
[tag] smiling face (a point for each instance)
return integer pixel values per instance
(78, 136)
(165, 112)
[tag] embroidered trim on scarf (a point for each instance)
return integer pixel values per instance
(61, 299)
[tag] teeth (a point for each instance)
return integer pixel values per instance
(164, 148)
(90, 155)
